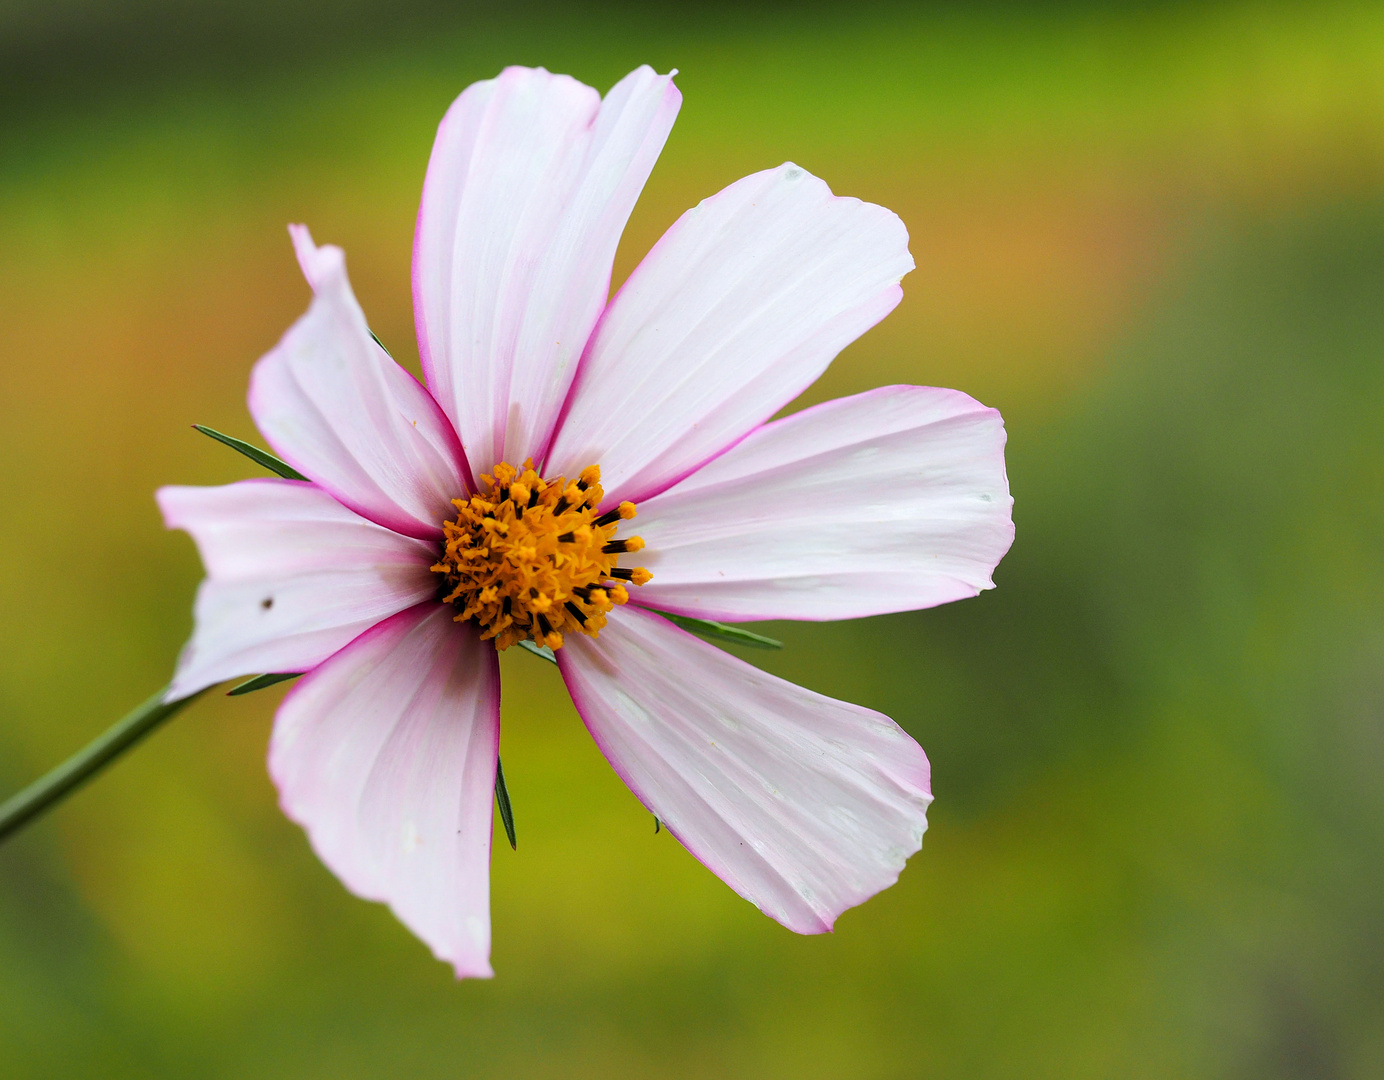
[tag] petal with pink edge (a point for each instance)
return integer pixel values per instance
(292, 576)
(386, 756)
(891, 500)
(335, 406)
(531, 181)
(803, 805)
(736, 310)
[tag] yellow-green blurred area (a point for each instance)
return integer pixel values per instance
(1151, 234)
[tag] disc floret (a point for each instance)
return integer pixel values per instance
(532, 559)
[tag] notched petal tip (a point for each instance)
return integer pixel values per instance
(465, 971)
(317, 263)
(890, 230)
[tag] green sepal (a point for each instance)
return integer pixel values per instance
(254, 453)
(259, 682)
(502, 801)
(538, 650)
(720, 631)
(380, 343)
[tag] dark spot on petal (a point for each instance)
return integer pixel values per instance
(267, 603)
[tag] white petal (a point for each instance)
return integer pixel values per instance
(335, 406)
(531, 181)
(386, 756)
(736, 310)
(316, 263)
(292, 576)
(803, 805)
(887, 501)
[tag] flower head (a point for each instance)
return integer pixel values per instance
(442, 523)
(532, 559)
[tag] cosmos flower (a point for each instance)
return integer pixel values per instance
(441, 524)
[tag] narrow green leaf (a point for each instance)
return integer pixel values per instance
(381, 345)
(254, 453)
(259, 682)
(502, 801)
(721, 632)
(538, 650)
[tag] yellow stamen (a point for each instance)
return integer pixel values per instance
(531, 559)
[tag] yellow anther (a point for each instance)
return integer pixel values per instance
(540, 571)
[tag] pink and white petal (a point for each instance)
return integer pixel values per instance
(315, 262)
(386, 755)
(735, 311)
(335, 406)
(803, 805)
(531, 181)
(292, 576)
(890, 500)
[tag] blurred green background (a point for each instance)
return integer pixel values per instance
(1151, 234)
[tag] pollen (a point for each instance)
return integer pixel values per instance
(532, 559)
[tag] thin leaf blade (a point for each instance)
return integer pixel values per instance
(538, 650)
(380, 343)
(260, 682)
(254, 453)
(503, 803)
(716, 631)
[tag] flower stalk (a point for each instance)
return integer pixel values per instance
(51, 788)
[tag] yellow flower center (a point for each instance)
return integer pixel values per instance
(531, 559)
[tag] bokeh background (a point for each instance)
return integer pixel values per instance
(1152, 234)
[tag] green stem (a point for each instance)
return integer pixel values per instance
(56, 785)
